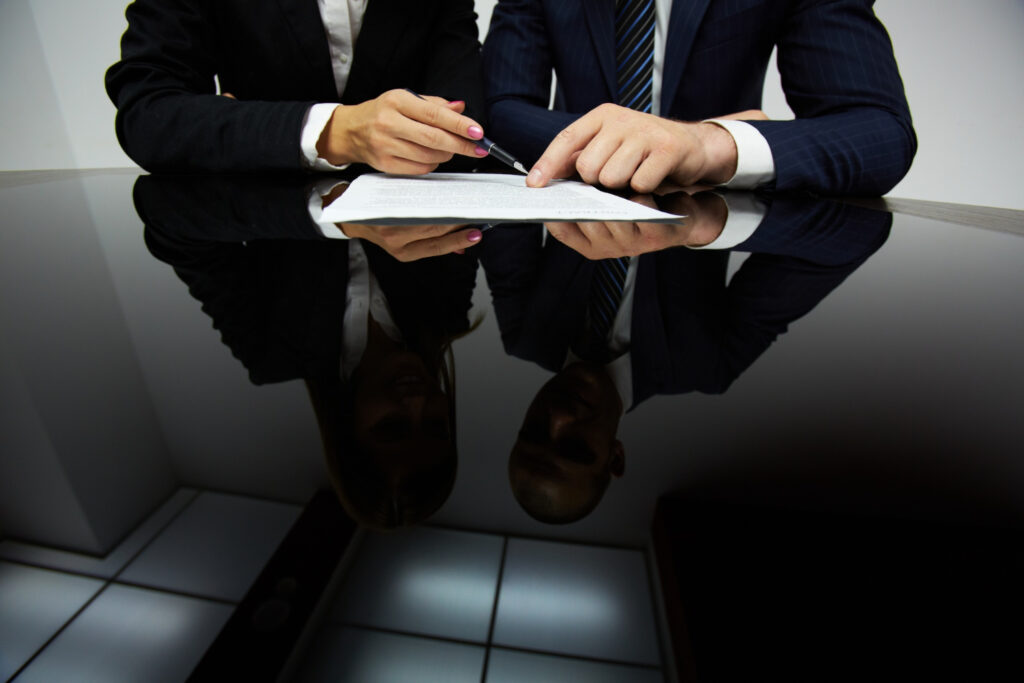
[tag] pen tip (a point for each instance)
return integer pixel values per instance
(519, 167)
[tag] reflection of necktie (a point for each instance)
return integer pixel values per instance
(605, 297)
(634, 52)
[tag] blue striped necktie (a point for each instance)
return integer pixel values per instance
(606, 291)
(634, 53)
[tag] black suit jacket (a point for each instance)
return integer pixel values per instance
(273, 286)
(690, 330)
(273, 56)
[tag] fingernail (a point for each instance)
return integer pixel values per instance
(534, 178)
(456, 102)
(480, 152)
(475, 132)
(474, 235)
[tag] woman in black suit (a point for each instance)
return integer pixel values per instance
(310, 84)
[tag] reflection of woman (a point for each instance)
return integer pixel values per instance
(370, 336)
(388, 419)
(312, 84)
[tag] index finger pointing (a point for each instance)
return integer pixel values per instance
(559, 159)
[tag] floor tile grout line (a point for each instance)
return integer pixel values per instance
(107, 583)
(512, 648)
(541, 539)
(159, 532)
(411, 634)
(175, 591)
(583, 658)
(494, 609)
(60, 630)
(652, 595)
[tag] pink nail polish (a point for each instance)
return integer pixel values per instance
(475, 132)
(474, 235)
(480, 152)
(457, 102)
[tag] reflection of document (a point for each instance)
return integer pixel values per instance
(480, 197)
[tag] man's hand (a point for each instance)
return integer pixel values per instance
(618, 147)
(399, 132)
(413, 242)
(705, 213)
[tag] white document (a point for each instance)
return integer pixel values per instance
(479, 197)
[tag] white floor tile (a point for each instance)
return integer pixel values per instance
(216, 547)
(352, 655)
(34, 604)
(578, 600)
(131, 634)
(507, 666)
(103, 567)
(430, 581)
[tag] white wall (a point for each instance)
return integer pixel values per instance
(962, 63)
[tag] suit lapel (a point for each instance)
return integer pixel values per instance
(601, 22)
(682, 28)
(303, 18)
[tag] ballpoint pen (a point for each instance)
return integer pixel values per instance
(493, 149)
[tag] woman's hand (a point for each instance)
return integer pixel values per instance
(413, 242)
(399, 132)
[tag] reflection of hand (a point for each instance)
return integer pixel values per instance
(413, 242)
(706, 213)
(399, 132)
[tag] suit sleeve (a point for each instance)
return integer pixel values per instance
(517, 80)
(853, 131)
(168, 114)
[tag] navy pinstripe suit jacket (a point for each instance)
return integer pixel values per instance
(852, 133)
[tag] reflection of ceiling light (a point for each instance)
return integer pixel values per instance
(558, 605)
(446, 591)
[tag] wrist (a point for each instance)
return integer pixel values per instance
(721, 154)
(334, 146)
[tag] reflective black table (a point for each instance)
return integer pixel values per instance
(233, 447)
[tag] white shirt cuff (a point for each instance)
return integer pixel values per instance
(745, 214)
(312, 128)
(754, 163)
(316, 209)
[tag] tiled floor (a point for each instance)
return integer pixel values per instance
(577, 600)
(422, 605)
(196, 544)
(564, 612)
(34, 604)
(507, 666)
(131, 634)
(431, 581)
(215, 548)
(353, 654)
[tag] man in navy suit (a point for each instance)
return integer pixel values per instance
(852, 133)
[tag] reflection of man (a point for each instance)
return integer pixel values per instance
(680, 327)
(567, 450)
(700, 59)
